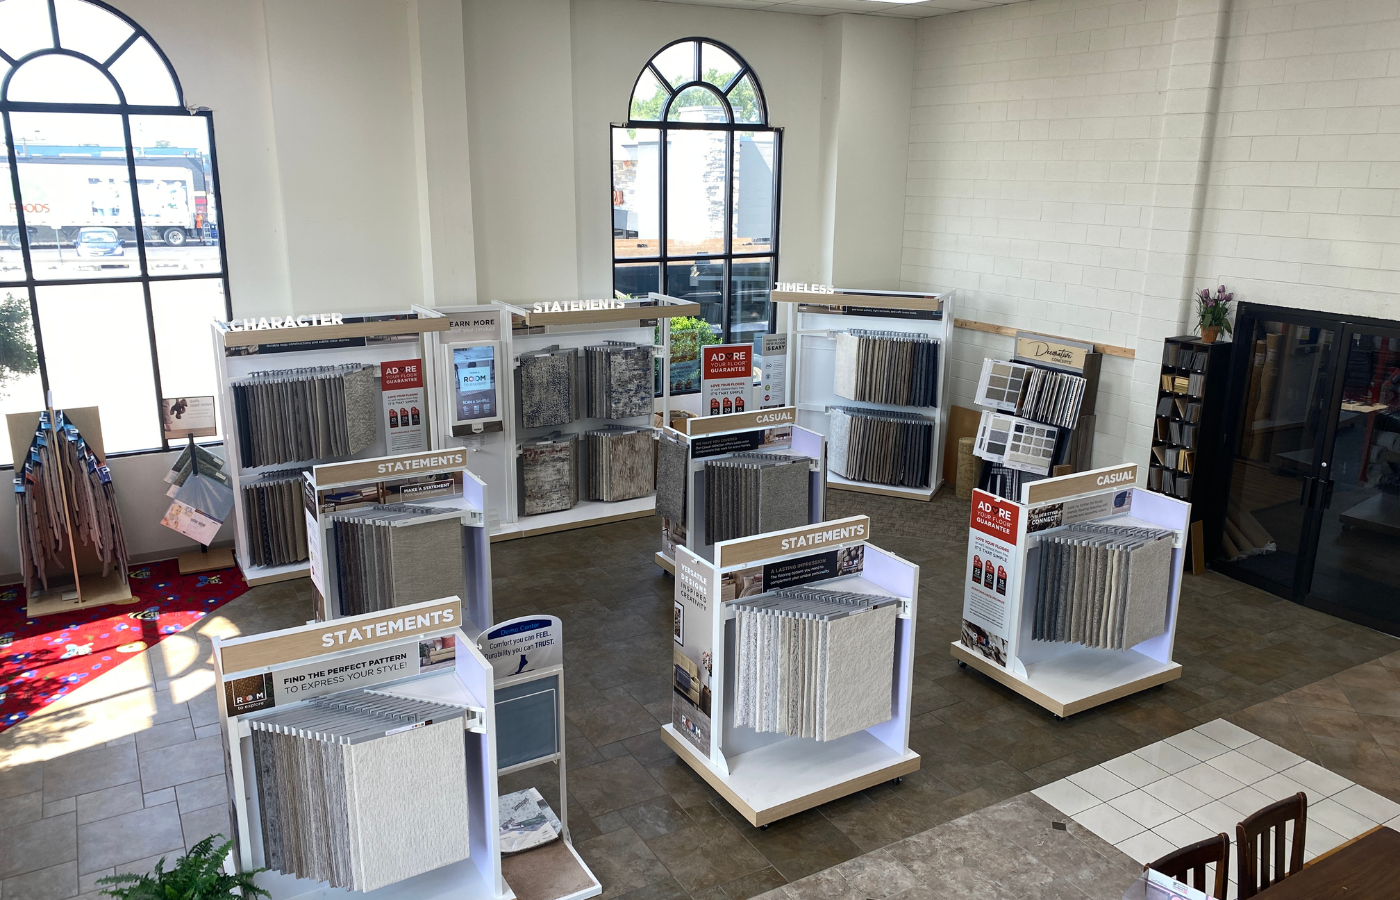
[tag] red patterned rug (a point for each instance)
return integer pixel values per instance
(42, 659)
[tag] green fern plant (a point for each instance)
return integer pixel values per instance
(198, 875)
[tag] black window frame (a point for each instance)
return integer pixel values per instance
(126, 110)
(664, 259)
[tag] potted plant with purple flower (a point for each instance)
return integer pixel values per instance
(1213, 312)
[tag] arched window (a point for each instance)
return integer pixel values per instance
(111, 257)
(695, 176)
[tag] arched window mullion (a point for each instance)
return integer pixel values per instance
(59, 51)
(9, 60)
(53, 25)
(126, 45)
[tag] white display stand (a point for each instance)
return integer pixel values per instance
(394, 479)
(812, 322)
(1065, 678)
(533, 327)
(767, 777)
(381, 338)
(468, 683)
(759, 431)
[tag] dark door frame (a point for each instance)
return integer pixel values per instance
(1317, 490)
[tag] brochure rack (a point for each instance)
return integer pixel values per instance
(437, 480)
(89, 587)
(813, 321)
(767, 777)
(1065, 678)
(714, 437)
(495, 445)
(242, 350)
(419, 652)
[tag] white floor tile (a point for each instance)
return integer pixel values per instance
(1320, 838)
(1166, 757)
(1143, 808)
(1183, 831)
(1246, 801)
(1281, 787)
(1227, 733)
(1067, 797)
(1101, 783)
(1270, 754)
(1241, 767)
(1108, 823)
(1197, 744)
(1338, 818)
(1318, 781)
(1135, 770)
(1207, 778)
(1177, 794)
(1367, 802)
(1145, 847)
(1217, 817)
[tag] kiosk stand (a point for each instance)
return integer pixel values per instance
(1001, 581)
(769, 776)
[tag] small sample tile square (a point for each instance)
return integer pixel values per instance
(549, 471)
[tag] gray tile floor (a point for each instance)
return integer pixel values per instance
(128, 768)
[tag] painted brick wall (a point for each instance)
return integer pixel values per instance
(1080, 166)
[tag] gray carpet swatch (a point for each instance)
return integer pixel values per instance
(289, 415)
(621, 463)
(672, 477)
(549, 471)
(893, 367)
(621, 380)
(388, 555)
(549, 387)
(880, 446)
(755, 493)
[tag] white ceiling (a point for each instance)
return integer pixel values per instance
(920, 10)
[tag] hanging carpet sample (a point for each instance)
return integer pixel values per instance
(361, 789)
(396, 554)
(292, 415)
(672, 477)
(814, 663)
(880, 446)
(621, 463)
(1103, 585)
(894, 367)
(549, 471)
(550, 387)
(755, 493)
(64, 495)
(621, 380)
(276, 518)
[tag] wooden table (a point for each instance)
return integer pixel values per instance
(1367, 868)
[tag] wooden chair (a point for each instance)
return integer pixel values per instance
(1260, 838)
(1190, 862)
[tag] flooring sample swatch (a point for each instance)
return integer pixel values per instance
(293, 415)
(880, 446)
(621, 380)
(894, 367)
(672, 477)
(620, 463)
(549, 471)
(814, 663)
(1102, 585)
(755, 493)
(1016, 443)
(275, 517)
(395, 554)
(549, 387)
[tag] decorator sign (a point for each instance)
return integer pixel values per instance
(726, 378)
(405, 406)
(991, 571)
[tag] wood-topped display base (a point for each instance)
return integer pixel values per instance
(665, 562)
(1076, 681)
(195, 562)
(789, 776)
(97, 590)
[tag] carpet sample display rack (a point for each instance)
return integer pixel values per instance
(1037, 412)
(794, 655)
(73, 551)
(573, 384)
(364, 757)
(397, 530)
(734, 475)
(869, 373)
(294, 393)
(1071, 591)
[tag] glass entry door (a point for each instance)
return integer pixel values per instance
(1281, 387)
(1356, 571)
(1314, 508)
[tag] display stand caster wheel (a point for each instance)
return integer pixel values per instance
(962, 665)
(763, 828)
(898, 779)
(1058, 718)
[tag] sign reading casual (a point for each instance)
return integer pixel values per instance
(726, 378)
